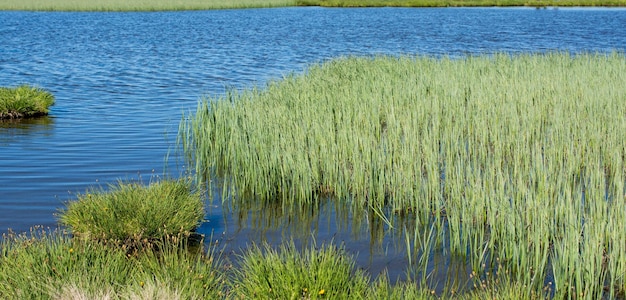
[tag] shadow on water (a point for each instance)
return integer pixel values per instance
(399, 248)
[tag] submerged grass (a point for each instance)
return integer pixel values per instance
(24, 101)
(520, 158)
(130, 212)
(138, 5)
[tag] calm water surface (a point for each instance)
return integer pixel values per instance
(123, 80)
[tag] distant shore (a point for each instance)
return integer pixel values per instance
(163, 5)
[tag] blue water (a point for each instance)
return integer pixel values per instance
(123, 80)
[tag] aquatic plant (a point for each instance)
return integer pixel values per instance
(131, 212)
(515, 158)
(24, 101)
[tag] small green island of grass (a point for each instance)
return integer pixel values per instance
(24, 101)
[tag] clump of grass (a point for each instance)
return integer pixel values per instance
(183, 269)
(286, 273)
(130, 212)
(33, 266)
(53, 265)
(24, 101)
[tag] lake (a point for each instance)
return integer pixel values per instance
(123, 80)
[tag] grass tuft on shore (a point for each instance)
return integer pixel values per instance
(130, 213)
(53, 265)
(24, 101)
(326, 272)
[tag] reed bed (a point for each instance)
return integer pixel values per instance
(515, 159)
(138, 5)
(24, 101)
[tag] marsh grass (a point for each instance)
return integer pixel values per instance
(24, 101)
(516, 158)
(183, 269)
(138, 5)
(383, 289)
(33, 266)
(131, 213)
(53, 265)
(325, 272)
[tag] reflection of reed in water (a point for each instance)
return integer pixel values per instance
(403, 252)
(19, 129)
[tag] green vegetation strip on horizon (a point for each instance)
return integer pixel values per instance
(522, 157)
(460, 3)
(166, 5)
(138, 5)
(24, 101)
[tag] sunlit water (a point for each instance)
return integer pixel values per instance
(123, 80)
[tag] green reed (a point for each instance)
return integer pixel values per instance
(138, 5)
(24, 101)
(520, 156)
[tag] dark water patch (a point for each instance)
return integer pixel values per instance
(16, 130)
(377, 248)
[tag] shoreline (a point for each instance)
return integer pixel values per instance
(194, 5)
